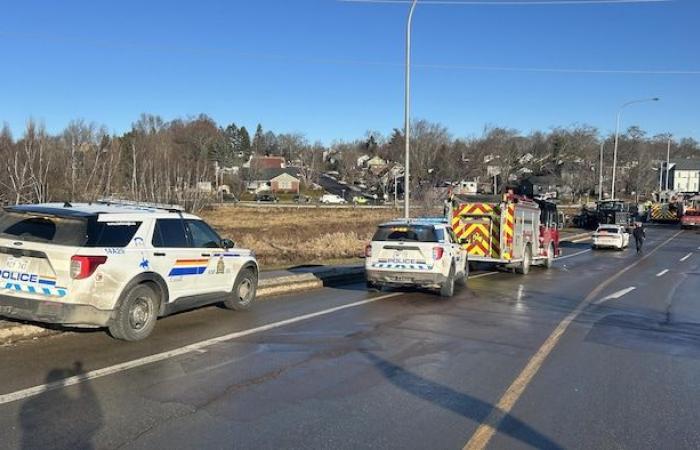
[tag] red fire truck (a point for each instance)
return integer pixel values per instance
(514, 231)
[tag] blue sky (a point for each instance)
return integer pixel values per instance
(333, 70)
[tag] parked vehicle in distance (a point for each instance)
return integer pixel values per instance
(691, 219)
(113, 265)
(416, 253)
(359, 200)
(266, 197)
(332, 199)
(301, 198)
(611, 236)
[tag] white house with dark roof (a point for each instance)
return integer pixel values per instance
(684, 175)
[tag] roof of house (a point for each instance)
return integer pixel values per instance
(267, 162)
(284, 175)
(686, 164)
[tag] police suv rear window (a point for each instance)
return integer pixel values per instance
(50, 229)
(69, 231)
(414, 233)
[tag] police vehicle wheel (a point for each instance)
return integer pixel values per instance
(136, 315)
(462, 281)
(243, 294)
(549, 262)
(448, 286)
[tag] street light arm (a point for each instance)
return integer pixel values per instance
(617, 135)
(643, 100)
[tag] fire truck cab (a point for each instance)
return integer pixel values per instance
(515, 231)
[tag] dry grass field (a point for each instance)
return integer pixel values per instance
(290, 236)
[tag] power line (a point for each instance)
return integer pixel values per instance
(232, 53)
(509, 2)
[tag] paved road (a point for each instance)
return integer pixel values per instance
(602, 351)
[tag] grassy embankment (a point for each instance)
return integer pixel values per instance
(291, 236)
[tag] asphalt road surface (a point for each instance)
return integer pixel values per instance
(602, 351)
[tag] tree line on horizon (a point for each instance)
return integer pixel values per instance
(163, 161)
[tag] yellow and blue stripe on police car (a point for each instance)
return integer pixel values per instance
(388, 265)
(32, 284)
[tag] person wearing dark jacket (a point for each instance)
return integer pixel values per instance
(639, 236)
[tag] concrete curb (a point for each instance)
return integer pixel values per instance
(11, 332)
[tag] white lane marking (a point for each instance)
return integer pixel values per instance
(196, 347)
(488, 427)
(573, 254)
(686, 257)
(616, 295)
(587, 238)
(662, 273)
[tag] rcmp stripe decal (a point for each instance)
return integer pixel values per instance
(402, 266)
(31, 289)
(188, 267)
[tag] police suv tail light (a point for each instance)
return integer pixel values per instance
(84, 266)
(437, 253)
(368, 251)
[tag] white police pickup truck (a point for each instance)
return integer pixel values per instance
(116, 265)
(416, 252)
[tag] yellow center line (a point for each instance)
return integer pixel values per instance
(488, 427)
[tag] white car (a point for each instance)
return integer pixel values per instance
(332, 199)
(416, 252)
(119, 266)
(611, 236)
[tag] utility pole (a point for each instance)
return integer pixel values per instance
(600, 173)
(395, 190)
(407, 115)
(668, 161)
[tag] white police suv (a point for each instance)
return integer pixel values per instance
(118, 265)
(416, 252)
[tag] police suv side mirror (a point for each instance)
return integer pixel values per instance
(227, 244)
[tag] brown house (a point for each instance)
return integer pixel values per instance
(285, 183)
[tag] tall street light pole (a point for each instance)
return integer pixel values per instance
(617, 136)
(668, 161)
(407, 114)
(600, 173)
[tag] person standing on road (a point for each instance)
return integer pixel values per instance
(639, 236)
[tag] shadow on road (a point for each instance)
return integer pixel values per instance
(463, 404)
(58, 418)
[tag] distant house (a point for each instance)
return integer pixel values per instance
(539, 186)
(376, 165)
(684, 175)
(265, 162)
(286, 183)
(526, 158)
(285, 180)
(362, 160)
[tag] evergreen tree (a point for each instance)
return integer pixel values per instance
(259, 140)
(232, 136)
(244, 141)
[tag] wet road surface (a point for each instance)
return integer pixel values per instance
(578, 356)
